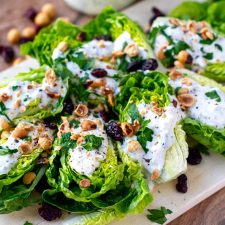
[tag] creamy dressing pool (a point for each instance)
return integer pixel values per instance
(162, 139)
(206, 110)
(83, 161)
(23, 93)
(198, 50)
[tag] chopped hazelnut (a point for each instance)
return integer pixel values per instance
(85, 183)
(174, 21)
(127, 129)
(50, 77)
(186, 100)
(155, 175)
(52, 94)
(20, 132)
(4, 97)
(29, 177)
(75, 136)
(186, 81)
(98, 83)
(174, 74)
(101, 43)
(161, 54)
(182, 56)
(80, 140)
(13, 36)
(45, 142)
(81, 110)
(131, 50)
(26, 148)
(133, 146)
(111, 99)
(62, 46)
(178, 65)
(4, 125)
(88, 125)
(118, 54)
(183, 91)
(192, 26)
(17, 103)
(5, 134)
(136, 126)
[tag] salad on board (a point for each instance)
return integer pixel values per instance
(110, 113)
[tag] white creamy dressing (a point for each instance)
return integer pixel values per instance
(162, 139)
(57, 54)
(20, 91)
(198, 50)
(86, 162)
(9, 160)
(206, 110)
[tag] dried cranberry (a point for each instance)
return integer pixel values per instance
(105, 37)
(81, 36)
(104, 115)
(156, 13)
(25, 40)
(150, 64)
(50, 125)
(1, 49)
(189, 59)
(30, 14)
(194, 157)
(49, 212)
(8, 54)
(181, 185)
(99, 72)
(114, 131)
(68, 107)
(134, 66)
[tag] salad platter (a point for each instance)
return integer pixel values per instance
(149, 105)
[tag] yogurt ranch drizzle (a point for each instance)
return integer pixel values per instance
(186, 43)
(18, 96)
(21, 141)
(107, 55)
(207, 104)
(162, 126)
(91, 142)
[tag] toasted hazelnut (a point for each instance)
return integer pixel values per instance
(50, 77)
(62, 46)
(186, 81)
(4, 125)
(132, 50)
(43, 161)
(49, 9)
(155, 174)
(26, 148)
(133, 146)
(41, 19)
(52, 94)
(4, 97)
(81, 110)
(186, 100)
(75, 136)
(158, 110)
(174, 21)
(45, 142)
(183, 91)
(97, 83)
(17, 103)
(210, 35)
(13, 36)
(18, 93)
(85, 183)
(101, 44)
(80, 140)
(5, 134)
(28, 32)
(174, 74)
(111, 100)
(88, 125)
(23, 108)
(118, 54)
(192, 26)
(136, 126)
(182, 56)
(178, 65)
(161, 54)
(127, 129)
(18, 60)
(20, 132)
(29, 177)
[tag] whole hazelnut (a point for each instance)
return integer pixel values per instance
(42, 19)
(28, 32)
(13, 36)
(49, 9)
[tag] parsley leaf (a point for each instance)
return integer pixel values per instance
(92, 142)
(158, 215)
(219, 47)
(213, 95)
(67, 142)
(74, 123)
(14, 87)
(5, 150)
(208, 55)
(61, 70)
(144, 135)
(134, 113)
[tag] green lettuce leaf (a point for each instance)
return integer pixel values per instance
(215, 71)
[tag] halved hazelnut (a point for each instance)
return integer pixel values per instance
(110, 98)
(127, 129)
(88, 125)
(81, 110)
(132, 50)
(26, 148)
(174, 21)
(85, 183)
(186, 100)
(187, 81)
(155, 174)
(174, 74)
(5, 134)
(52, 94)
(98, 83)
(118, 54)
(183, 91)
(4, 125)
(75, 136)
(4, 97)
(133, 146)
(192, 26)
(45, 142)
(136, 126)
(182, 56)
(29, 177)
(161, 54)
(178, 65)
(50, 77)
(80, 140)
(17, 103)
(62, 46)
(21, 131)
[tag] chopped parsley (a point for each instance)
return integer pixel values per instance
(213, 95)
(208, 55)
(177, 89)
(67, 142)
(3, 110)
(74, 123)
(14, 88)
(6, 151)
(219, 47)
(27, 223)
(92, 142)
(27, 138)
(158, 215)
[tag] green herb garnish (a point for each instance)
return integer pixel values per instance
(92, 142)
(208, 55)
(213, 95)
(15, 87)
(74, 123)
(27, 223)
(28, 138)
(219, 47)
(6, 151)
(67, 142)
(158, 215)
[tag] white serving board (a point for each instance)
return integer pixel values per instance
(203, 180)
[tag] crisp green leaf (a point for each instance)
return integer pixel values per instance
(213, 95)
(14, 88)
(144, 136)
(92, 142)
(67, 142)
(158, 215)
